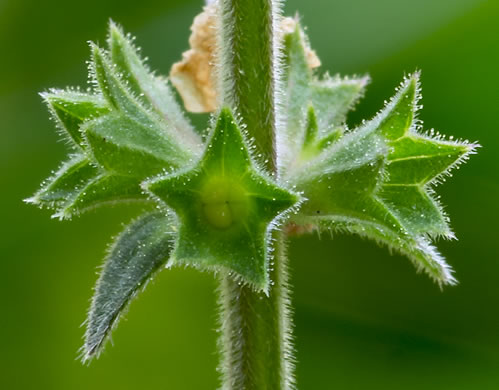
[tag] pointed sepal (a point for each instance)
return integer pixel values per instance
(71, 108)
(226, 208)
(153, 92)
(415, 162)
(114, 89)
(104, 189)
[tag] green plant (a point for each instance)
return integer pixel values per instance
(276, 160)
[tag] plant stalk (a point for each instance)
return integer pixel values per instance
(255, 339)
(255, 329)
(247, 42)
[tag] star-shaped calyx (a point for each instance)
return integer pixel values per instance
(226, 208)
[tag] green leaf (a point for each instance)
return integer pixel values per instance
(330, 98)
(66, 183)
(72, 108)
(225, 207)
(375, 182)
(128, 147)
(136, 255)
(313, 145)
(153, 92)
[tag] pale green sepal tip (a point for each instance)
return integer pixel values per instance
(62, 188)
(71, 108)
(115, 90)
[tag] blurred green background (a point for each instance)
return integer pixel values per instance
(364, 318)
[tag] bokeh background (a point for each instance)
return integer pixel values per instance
(364, 318)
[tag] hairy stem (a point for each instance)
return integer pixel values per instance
(255, 339)
(247, 69)
(255, 329)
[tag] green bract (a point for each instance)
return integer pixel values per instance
(218, 205)
(374, 180)
(225, 207)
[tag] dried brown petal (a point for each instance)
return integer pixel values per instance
(193, 76)
(288, 25)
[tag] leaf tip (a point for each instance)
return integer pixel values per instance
(471, 147)
(93, 46)
(225, 115)
(115, 34)
(113, 26)
(362, 81)
(63, 214)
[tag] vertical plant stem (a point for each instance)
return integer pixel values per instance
(247, 63)
(255, 339)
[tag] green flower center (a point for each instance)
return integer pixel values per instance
(224, 201)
